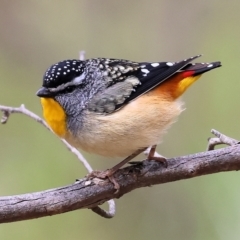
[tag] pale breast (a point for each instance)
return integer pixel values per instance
(139, 124)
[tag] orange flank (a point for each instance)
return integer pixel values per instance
(176, 85)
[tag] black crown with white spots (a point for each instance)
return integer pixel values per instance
(62, 72)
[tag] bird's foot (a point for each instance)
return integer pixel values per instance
(153, 155)
(107, 174)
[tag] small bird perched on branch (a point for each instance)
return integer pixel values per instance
(115, 107)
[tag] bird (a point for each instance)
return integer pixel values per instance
(116, 107)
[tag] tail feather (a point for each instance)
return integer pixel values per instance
(195, 69)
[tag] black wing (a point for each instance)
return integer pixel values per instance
(129, 80)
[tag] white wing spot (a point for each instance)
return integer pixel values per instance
(155, 64)
(169, 64)
(210, 65)
(145, 71)
(121, 68)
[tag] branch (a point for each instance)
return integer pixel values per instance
(88, 194)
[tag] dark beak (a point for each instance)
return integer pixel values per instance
(44, 92)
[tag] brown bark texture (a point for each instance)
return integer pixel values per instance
(91, 193)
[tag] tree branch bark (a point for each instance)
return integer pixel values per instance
(90, 193)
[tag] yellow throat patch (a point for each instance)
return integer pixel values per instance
(54, 116)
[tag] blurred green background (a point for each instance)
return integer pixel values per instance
(36, 34)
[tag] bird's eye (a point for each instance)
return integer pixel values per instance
(69, 89)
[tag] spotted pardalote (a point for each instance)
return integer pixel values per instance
(116, 107)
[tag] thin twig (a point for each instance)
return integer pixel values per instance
(106, 214)
(79, 155)
(82, 55)
(220, 139)
(7, 111)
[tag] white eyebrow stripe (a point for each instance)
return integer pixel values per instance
(78, 80)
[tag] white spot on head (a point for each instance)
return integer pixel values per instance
(155, 64)
(169, 64)
(144, 70)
